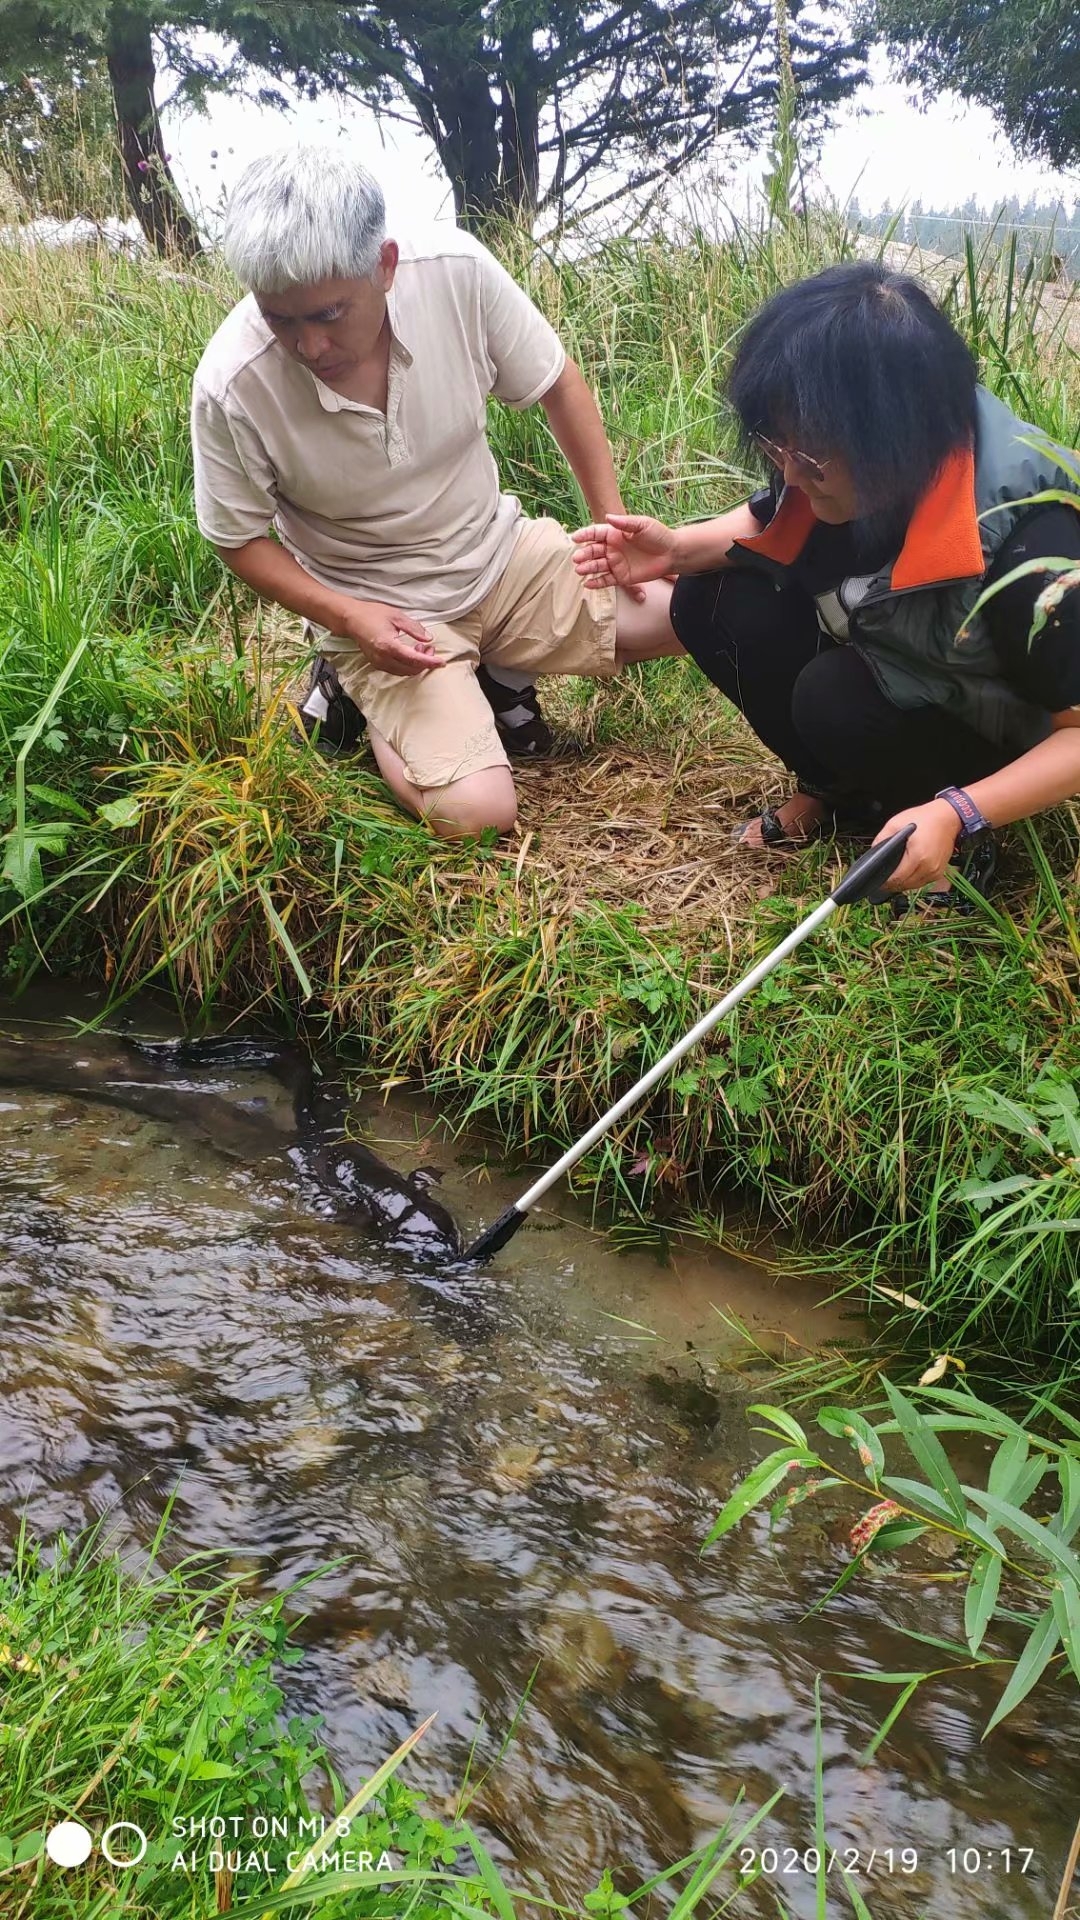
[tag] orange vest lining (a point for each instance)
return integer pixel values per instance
(942, 541)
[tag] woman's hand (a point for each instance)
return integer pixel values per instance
(625, 550)
(929, 850)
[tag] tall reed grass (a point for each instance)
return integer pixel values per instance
(162, 825)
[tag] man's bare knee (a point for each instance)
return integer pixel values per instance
(466, 807)
(472, 806)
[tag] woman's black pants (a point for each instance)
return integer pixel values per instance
(814, 702)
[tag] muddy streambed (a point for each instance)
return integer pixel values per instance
(534, 1489)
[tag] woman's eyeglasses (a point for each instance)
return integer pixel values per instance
(784, 456)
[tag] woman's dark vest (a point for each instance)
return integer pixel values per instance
(917, 627)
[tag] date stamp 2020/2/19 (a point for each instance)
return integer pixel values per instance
(962, 1862)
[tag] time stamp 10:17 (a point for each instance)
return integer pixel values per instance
(963, 1862)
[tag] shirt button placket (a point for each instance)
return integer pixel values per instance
(395, 442)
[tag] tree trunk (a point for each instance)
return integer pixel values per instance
(461, 120)
(520, 126)
(150, 186)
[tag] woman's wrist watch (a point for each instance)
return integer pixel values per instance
(971, 819)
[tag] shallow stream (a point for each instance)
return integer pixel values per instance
(530, 1489)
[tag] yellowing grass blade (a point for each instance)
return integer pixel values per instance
(905, 1299)
(360, 1798)
(280, 929)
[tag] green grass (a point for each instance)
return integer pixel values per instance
(153, 1698)
(161, 826)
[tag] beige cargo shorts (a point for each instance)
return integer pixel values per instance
(538, 618)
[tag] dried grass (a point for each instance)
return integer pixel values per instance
(617, 824)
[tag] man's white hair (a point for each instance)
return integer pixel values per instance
(303, 214)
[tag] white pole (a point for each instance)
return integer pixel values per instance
(705, 1025)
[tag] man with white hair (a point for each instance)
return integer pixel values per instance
(343, 404)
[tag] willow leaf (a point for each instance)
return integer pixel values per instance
(1041, 1647)
(981, 1597)
(1067, 1615)
(758, 1483)
(928, 1451)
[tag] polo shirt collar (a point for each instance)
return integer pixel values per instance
(393, 308)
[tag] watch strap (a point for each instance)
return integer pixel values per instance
(971, 819)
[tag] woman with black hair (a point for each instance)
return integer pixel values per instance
(837, 607)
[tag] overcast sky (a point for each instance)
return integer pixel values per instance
(882, 148)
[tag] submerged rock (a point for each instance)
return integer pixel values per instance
(386, 1679)
(311, 1444)
(577, 1643)
(515, 1465)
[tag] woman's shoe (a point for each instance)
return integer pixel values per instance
(774, 833)
(850, 816)
(978, 864)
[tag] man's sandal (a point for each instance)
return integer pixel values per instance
(519, 722)
(335, 725)
(331, 721)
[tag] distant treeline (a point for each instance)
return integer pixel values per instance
(1046, 232)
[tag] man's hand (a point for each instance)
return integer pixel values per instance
(624, 551)
(929, 850)
(389, 640)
